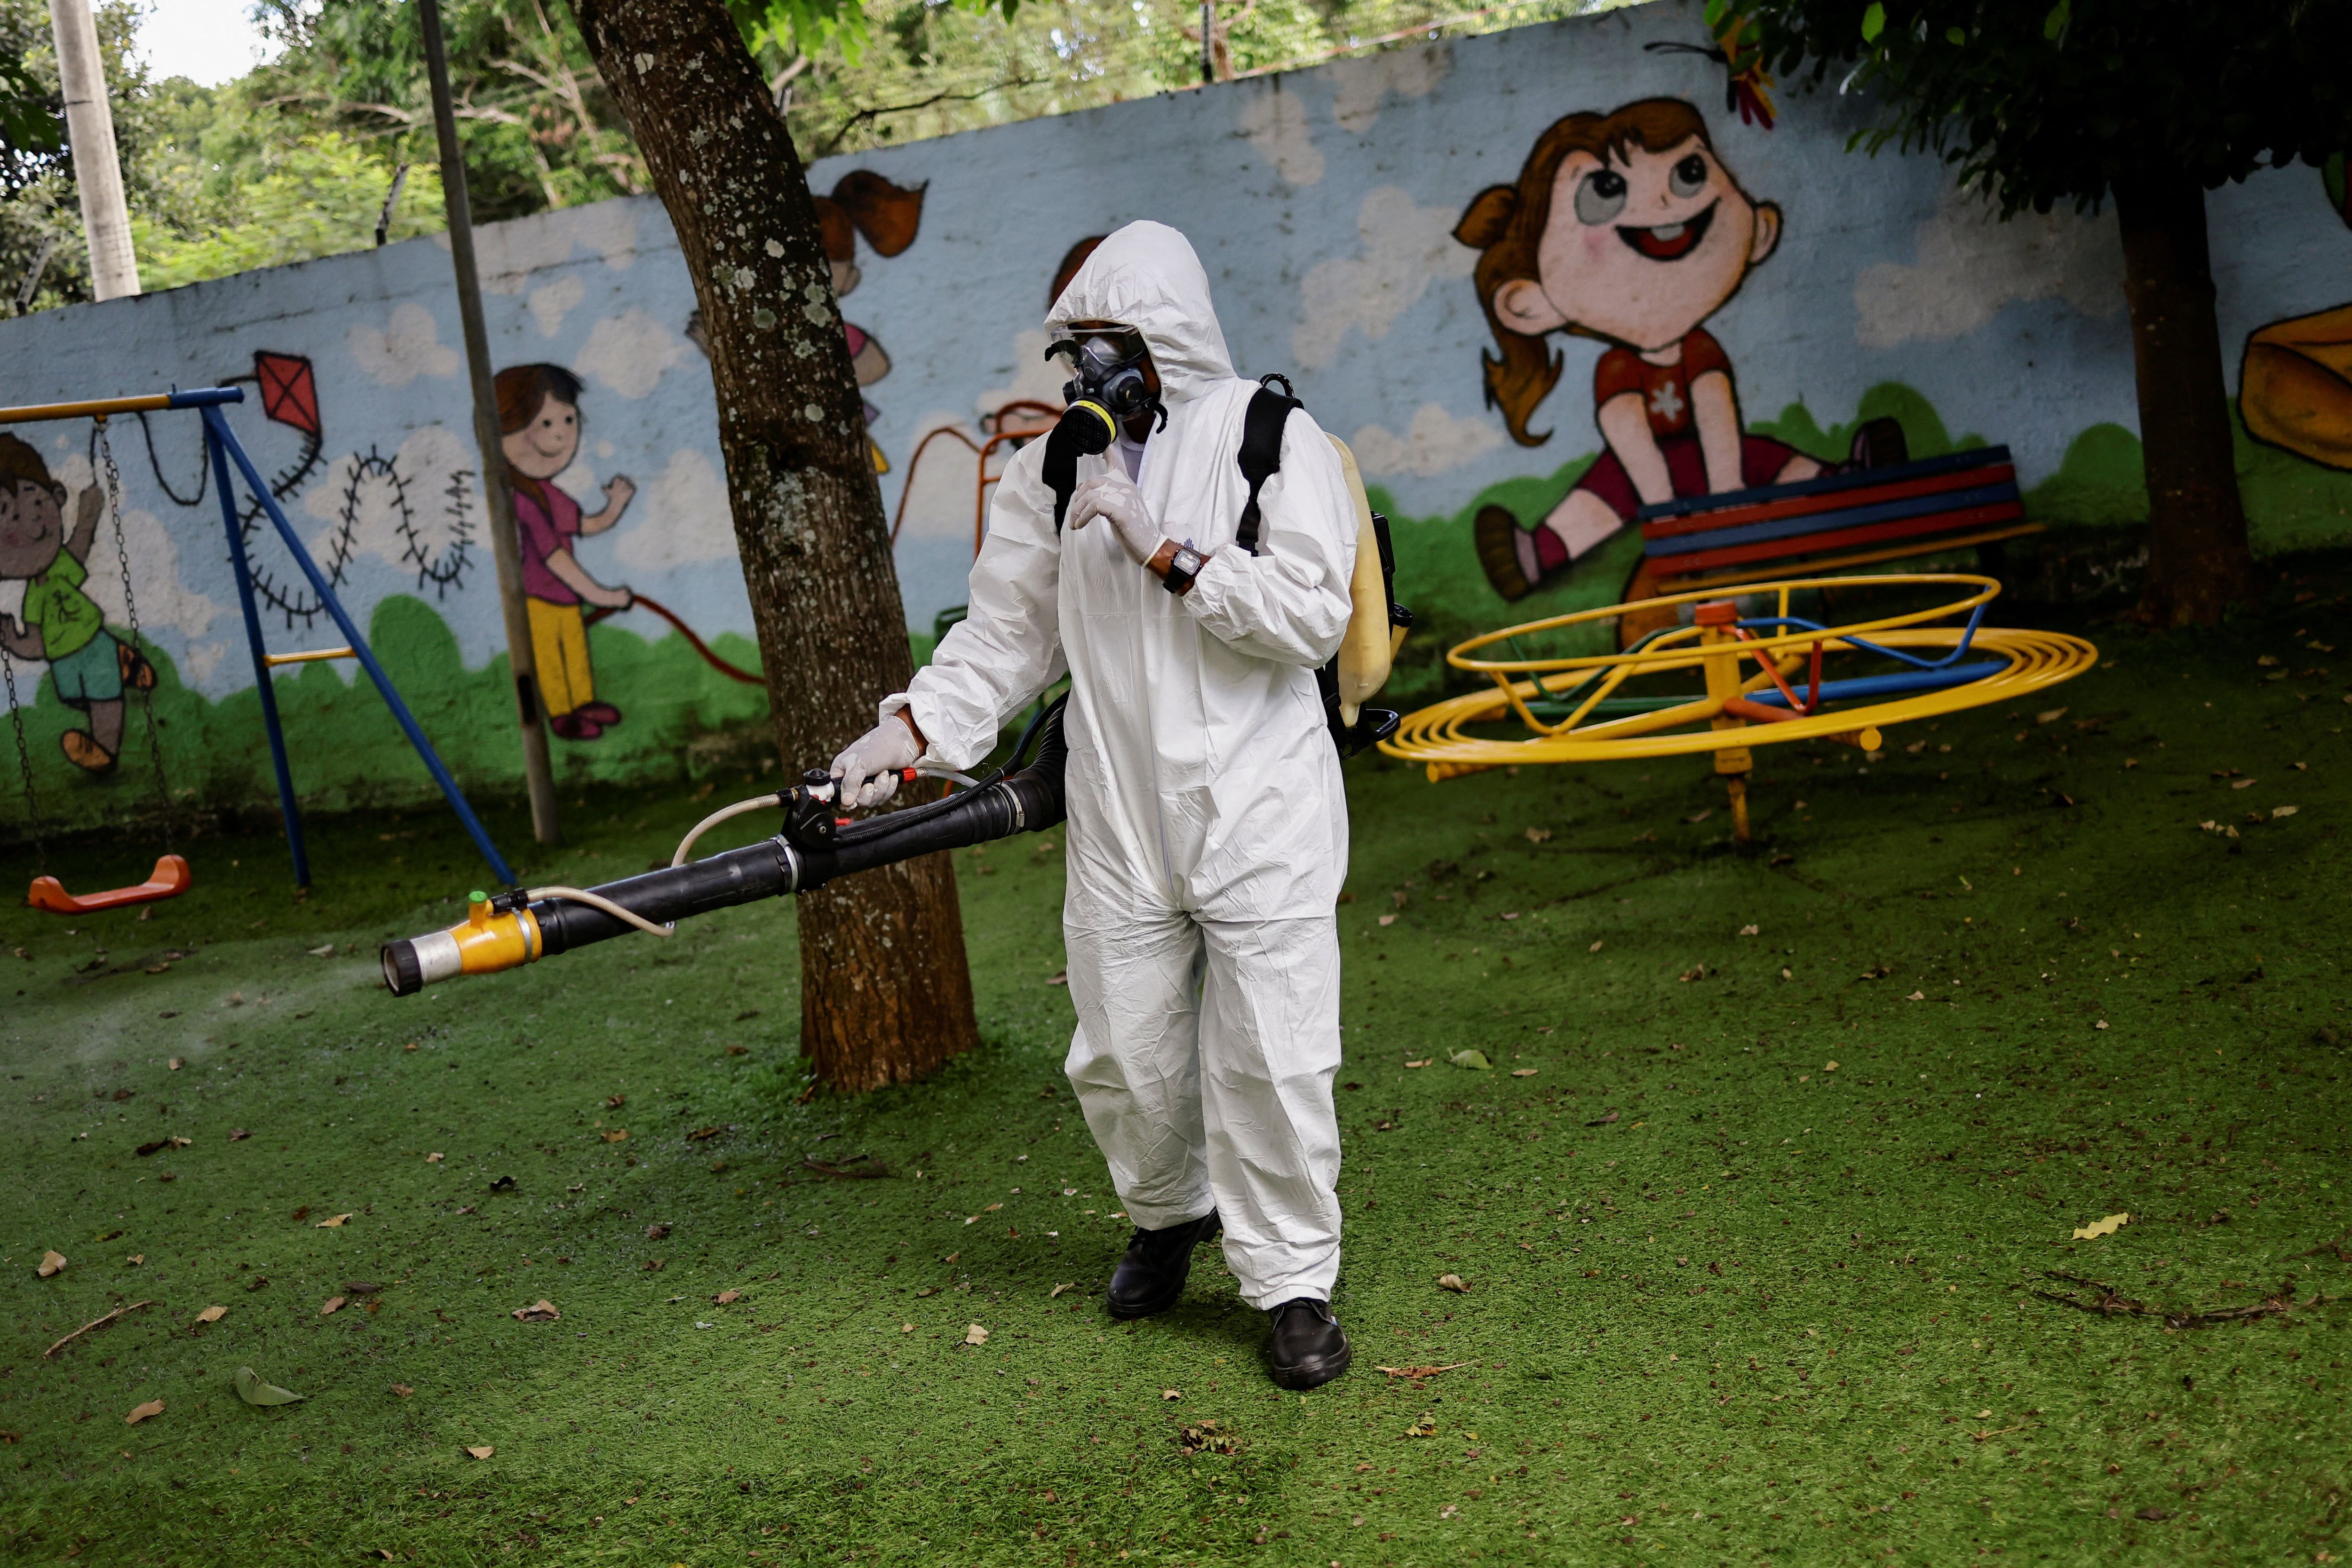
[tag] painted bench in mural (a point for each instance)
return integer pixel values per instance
(1862, 518)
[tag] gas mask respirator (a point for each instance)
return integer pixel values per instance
(1107, 388)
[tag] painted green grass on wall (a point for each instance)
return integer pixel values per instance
(346, 748)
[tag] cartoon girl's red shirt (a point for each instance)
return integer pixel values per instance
(1665, 390)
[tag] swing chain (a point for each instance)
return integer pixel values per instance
(146, 688)
(25, 761)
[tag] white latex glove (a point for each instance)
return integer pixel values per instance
(868, 771)
(1113, 496)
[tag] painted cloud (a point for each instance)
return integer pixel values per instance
(1405, 249)
(1970, 263)
(628, 352)
(407, 347)
(1434, 443)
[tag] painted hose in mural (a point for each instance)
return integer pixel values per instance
(732, 672)
(521, 927)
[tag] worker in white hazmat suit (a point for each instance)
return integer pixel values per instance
(1208, 829)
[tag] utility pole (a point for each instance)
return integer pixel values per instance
(98, 168)
(504, 548)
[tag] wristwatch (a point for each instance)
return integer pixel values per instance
(1182, 568)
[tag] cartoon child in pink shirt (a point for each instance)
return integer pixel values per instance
(1626, 227)
(539, 422)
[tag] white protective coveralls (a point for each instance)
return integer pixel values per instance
(1208, 829)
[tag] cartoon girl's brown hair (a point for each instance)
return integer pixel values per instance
(865, 202)
(524, 390)
(1505, 223)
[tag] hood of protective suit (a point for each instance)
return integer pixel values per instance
(1147, 277)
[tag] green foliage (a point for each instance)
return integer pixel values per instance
(537, 127)
(236, 185)
(2058, 105)
(38, 204)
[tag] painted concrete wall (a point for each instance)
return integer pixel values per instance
(1325, 204)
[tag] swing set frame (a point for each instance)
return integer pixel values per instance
(223, 452)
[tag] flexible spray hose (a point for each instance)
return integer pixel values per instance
(598, 900)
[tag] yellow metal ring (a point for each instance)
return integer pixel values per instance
(1439, 735)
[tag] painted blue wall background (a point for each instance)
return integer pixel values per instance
(1322, 203)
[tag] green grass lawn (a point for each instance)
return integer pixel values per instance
(1776, 1152)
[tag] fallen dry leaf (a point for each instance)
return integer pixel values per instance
(403, 1390)
(655, 1231)
(724, 1298)
(50, 1263)
(1388, 920)
(1065, 1285)
(140, 1412)
(334, 1304)
(615, 1101)
(542, 1310)
(1523, 1071)
(1424, 1427)
(254, 1389)
(1595, 947)
(175, 1064)
(1750, 930)
(480, 1450)
(1418, 1373)
(2050, 715)
(1916, 996)
(2098, 1228)
(617, 1135)
(1538, 835)
(975, 1334)
(332, 1222)
(1701, 815)
(1452, 1282)
(1422, 1062)
(2284, 811)
(212, 1314)
(434, 1158)
(1059, 978)
(1172, 1393)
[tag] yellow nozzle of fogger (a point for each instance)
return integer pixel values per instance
(487, 940)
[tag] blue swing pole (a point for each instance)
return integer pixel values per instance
(263, 684)
(224, 442)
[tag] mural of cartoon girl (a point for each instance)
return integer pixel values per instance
(539, 423)
(888, 216)
(1626, 227)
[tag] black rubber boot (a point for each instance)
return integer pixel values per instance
(1309, 1348)
(1151, 1278)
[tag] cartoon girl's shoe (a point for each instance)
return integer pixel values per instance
(1515, 559)
(82, 750)
(575, 725)
(605, 715)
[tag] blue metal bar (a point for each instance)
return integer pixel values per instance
(1967, 635)
(1934, 680)
(205, 397)
(293, 814)
(214, 421)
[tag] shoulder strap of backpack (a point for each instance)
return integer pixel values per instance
(1261, 453)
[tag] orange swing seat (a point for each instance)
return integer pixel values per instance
(170, 878)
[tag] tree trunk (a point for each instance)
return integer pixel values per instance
(2197, 560)
(886, 995)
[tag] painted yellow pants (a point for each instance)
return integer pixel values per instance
(559, 642)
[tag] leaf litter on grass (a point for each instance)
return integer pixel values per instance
(254, 1389)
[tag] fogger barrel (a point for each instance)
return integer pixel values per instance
(513, 929)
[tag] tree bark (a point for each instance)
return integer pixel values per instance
(2198, 563)
(886, 994)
